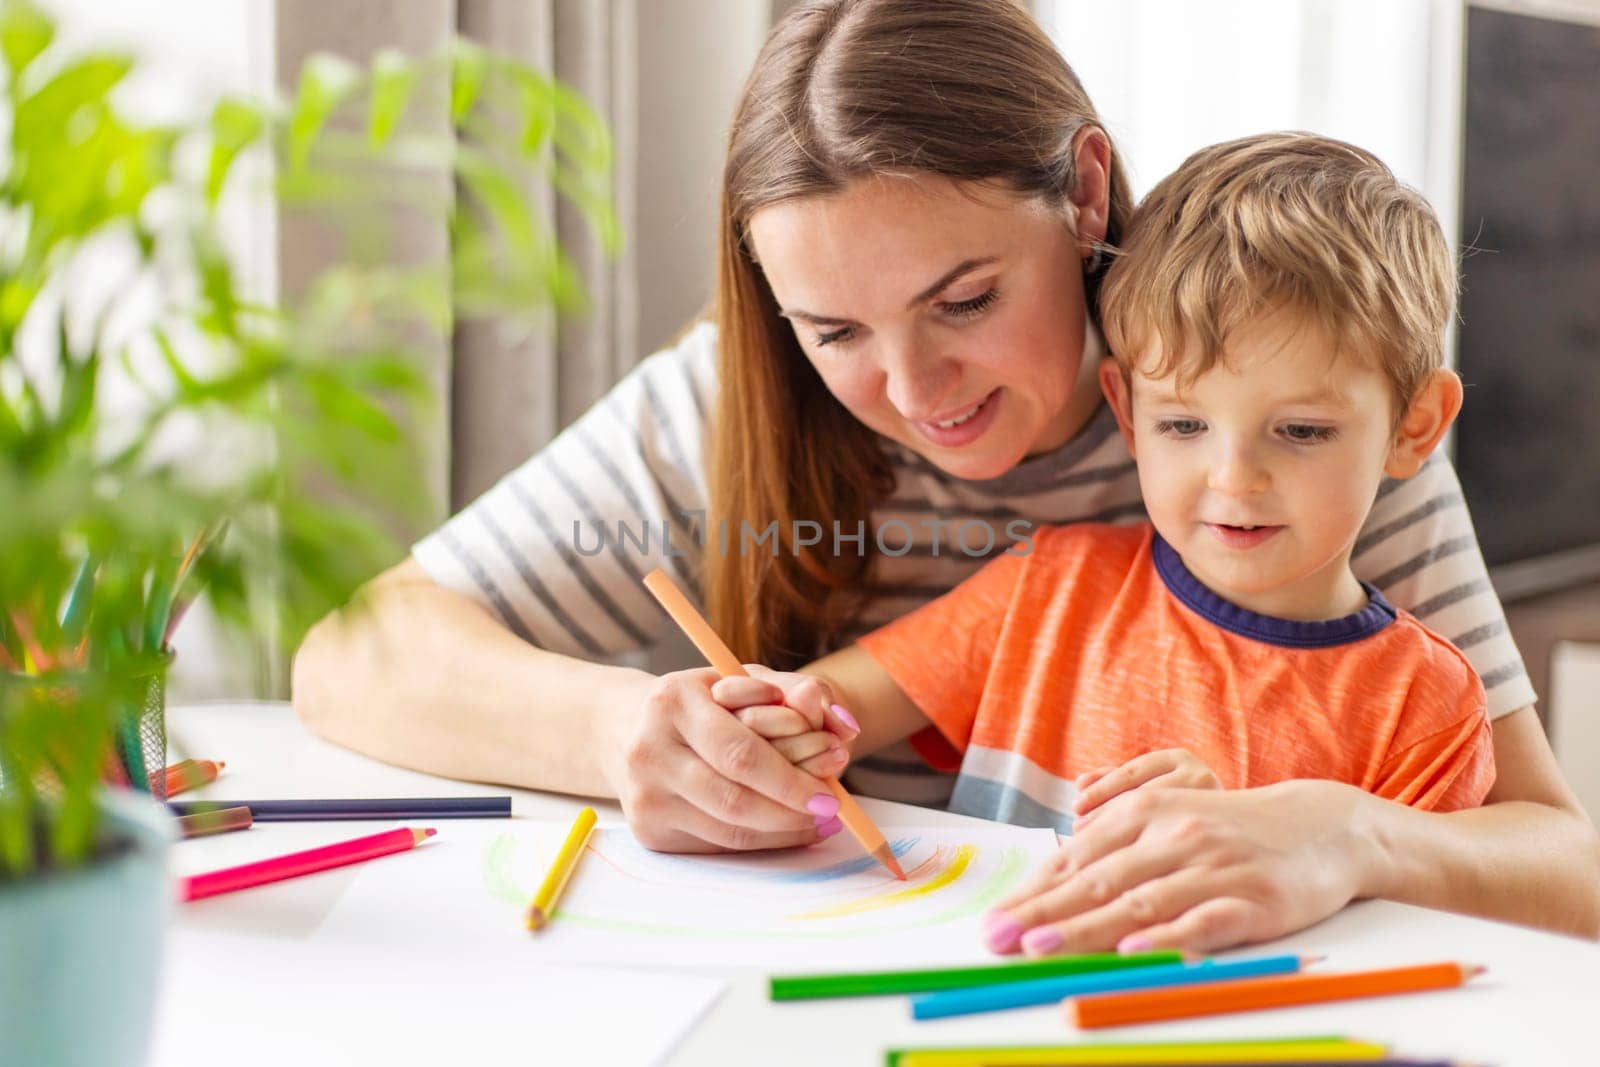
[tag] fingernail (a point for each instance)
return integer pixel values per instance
(823, 805)
(1001, 934)
(1134, 943)
(829, 828)
(1041, 940)
(846, 718)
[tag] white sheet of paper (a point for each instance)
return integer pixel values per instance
(255, 1002)
(819, 908)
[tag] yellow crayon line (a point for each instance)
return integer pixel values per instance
(957, 867)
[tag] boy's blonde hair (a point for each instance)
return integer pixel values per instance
(1282, 220)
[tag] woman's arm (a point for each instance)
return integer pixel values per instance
(426, 678)
(1206, 870)
(1529, 855)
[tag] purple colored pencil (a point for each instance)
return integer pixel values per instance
(313, 810)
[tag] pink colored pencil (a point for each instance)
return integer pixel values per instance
(293, 865)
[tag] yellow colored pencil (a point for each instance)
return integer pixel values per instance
(1298, 1050)
(725, 663)
(566, 861)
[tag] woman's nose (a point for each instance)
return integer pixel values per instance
(920, 383)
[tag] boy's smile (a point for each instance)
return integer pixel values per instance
(1261, 471)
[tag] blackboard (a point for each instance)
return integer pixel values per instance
(1527, 446)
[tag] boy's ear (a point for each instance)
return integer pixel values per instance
(1424, 424)
(1119, 396)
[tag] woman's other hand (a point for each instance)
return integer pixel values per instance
(1193, 869)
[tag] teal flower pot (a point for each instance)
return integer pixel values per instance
(80, 950)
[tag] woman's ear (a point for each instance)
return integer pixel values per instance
(1120, 396)
(1091, 197)
(1423, 425)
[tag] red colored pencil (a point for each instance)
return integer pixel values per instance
(1250, 994)
(293, 865)
(191, 773)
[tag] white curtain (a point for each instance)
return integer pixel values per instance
(502, 396)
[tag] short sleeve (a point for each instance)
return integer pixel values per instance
(1453, 766)
(559, 547)
(940, 655)
(1419, 548)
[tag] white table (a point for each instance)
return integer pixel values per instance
(1539, 1005)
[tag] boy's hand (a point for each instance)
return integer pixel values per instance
(796, 712)
(1170, 768)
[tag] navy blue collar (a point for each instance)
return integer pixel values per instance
(1290, 633)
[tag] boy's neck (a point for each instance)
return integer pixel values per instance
(1332, 593)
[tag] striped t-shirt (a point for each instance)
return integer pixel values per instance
(1099, 645)
(635, 465)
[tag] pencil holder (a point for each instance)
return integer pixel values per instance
(142, 729)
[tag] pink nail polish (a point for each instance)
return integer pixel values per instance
(829, 828)
(1001, 935)
(846, 718)
(1134, 943)
(1041, 940)
(823, 805)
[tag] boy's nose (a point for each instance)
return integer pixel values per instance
(1237, 473)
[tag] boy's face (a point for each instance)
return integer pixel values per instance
(1261, 473)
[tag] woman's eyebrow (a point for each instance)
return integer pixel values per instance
(929, 293)
(960, 268)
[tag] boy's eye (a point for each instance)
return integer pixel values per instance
(1179, 427)
(1304, 433)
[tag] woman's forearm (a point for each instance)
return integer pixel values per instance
(1529, 855)
(1518, 861)
(422, 677)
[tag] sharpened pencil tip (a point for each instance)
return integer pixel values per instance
(887, 858)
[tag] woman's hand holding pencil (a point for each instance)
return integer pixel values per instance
(726, 664)
(693, 778)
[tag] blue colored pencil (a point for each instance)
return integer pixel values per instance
(1050, 990)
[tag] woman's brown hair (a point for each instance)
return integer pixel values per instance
(846, 89)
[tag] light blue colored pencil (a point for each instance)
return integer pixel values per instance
(1049, 990)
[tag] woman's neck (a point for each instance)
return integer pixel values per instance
(1084, 400)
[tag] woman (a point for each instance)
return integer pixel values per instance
(899, 381)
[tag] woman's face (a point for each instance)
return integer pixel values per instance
(947, 316)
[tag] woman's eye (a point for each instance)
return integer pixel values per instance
(966, 308)
(843, 333)
(1303, 433)
(1179, 427)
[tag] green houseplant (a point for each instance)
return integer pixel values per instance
(160, 432)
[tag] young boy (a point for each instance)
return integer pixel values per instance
(1277, 318)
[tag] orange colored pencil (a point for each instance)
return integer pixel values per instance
(1249, 994)
(722, 659)
(191, 773)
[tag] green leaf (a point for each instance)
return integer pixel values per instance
(393, 77)
(25, 31)
(235, 125)
(468, 69)
(325, 81)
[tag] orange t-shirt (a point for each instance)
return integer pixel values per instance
(1099, 645)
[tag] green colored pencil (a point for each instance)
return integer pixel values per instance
(881, 983)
